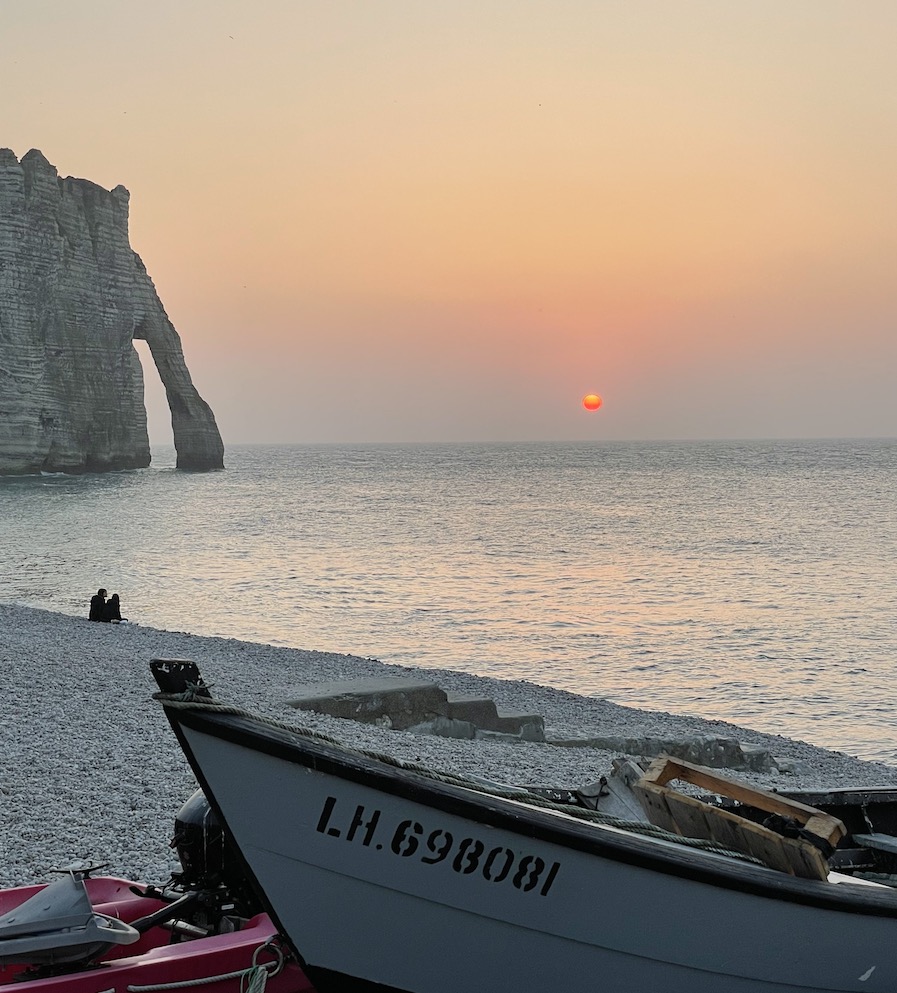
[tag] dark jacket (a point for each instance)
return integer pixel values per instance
(112, 610)
(97, 608)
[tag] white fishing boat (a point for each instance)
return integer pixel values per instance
(385, 877)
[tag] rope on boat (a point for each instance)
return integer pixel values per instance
(252, 980)
(257, 978)
(191, 699)
(257, 975)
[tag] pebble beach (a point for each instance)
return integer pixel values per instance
(90, 769)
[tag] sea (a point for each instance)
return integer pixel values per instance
(747, 581)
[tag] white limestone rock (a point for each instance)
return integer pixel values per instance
(73, 297)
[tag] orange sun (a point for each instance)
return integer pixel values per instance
(592, 401)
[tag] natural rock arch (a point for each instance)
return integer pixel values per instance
(73, 296)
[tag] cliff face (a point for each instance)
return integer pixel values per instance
(73, 296)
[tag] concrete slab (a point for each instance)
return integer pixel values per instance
(477, 710)
(708, 750)
(400, 702)
(446, 727)
(513, 722)
(393, 701)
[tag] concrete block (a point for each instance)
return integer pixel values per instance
(392, 701)
(708, 750)
(757, 758)
(446, 727)
(496, 736)
(477, 710)
(533, 732)
(528, 732)
(513, 722)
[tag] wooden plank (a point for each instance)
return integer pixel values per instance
(826, 826)
(655, 806)
(620, 801)
(692, 818)
(726, 832)
(814, 863)
(664, 770)
(768, 848)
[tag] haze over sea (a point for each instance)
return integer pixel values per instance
(752, 581)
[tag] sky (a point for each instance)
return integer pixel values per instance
(397, 221)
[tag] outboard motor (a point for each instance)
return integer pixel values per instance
(208, 860)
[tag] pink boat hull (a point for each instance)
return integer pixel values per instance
(152, 960)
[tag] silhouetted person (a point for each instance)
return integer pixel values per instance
(112, 610)
(97, 606)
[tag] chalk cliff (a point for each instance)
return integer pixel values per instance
(73, 297)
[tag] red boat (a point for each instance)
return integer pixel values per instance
(204, 930)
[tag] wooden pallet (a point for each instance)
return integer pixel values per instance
(690, 817)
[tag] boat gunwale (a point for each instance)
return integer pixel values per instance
(591, 837)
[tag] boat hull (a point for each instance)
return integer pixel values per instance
(383, 879)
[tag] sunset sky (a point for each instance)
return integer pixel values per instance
(386, 220)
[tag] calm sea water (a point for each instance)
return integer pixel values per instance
(754, 581)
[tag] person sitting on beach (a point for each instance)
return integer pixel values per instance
(97, 606)
(112, 609)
